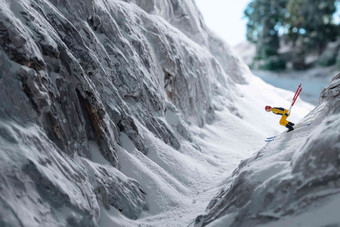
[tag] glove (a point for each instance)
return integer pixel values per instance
(286, 114)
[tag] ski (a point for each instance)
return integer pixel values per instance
(269, 139)
(302, 126)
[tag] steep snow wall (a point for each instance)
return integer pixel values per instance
(292, 181)
(78, 76)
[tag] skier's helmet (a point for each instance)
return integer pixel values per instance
(267, 108)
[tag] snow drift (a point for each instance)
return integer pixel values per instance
(292, 181)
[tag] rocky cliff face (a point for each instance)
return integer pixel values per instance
(292, 181)
(185, 16)
(76, 75)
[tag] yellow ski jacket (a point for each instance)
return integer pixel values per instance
(280, 111)
(283, 112)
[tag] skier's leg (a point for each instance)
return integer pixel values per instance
(286, 123)
(290, 128)
(283, 120)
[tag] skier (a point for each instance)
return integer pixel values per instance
(284, 113)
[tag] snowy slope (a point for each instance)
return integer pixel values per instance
(113, 114)
(198, 176)
(292, 181)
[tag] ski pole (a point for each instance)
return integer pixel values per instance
(296, 95)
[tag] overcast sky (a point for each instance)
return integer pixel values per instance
(225, 18)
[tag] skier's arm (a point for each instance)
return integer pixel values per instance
(286, 113)
(278, 110)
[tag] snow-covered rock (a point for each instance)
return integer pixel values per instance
(185, 16)
(86, 82)
(292, 181)
(118, 112)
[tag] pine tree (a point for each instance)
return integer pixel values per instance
(264, 20)
(313, 21)
(307, 24)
